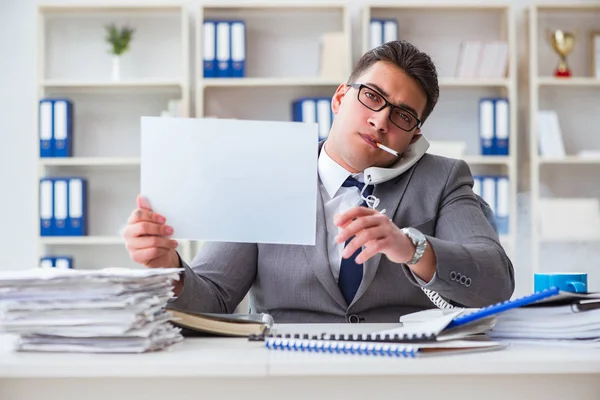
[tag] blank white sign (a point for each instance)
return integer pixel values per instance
(232, 180)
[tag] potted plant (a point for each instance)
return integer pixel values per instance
(119, 40)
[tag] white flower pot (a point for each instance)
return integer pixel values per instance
(116, 68)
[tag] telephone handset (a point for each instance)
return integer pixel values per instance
(414, 152)
(375, 175)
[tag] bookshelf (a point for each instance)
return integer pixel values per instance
(73, 62)
(438, 29)
(572, 177)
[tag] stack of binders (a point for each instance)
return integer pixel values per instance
(55, 127)
(314, 110)
(495, 190)
(382, 31)
(494, 126)
(224, 49)
(63, 210)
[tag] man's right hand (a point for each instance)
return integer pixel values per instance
(147, 238)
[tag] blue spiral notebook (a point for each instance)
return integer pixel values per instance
(394, 350)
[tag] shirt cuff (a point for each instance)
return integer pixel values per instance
(421, 281)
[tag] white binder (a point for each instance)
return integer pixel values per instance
(209, 50)
(223, 49)
(60, 206)
(376, 34)
(324, 117)
(390, 30)
(488, 192)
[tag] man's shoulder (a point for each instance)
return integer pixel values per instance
(433, 163)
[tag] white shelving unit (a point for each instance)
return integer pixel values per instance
(73, 62)
(576, 101)
(438, 29)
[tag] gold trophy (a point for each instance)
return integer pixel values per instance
(562, 43)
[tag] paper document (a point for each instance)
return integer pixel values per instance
(232, 180)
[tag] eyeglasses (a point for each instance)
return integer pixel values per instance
(375, 101)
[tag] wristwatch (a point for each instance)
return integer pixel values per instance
(420, 242)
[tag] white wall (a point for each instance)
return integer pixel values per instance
(18, 144)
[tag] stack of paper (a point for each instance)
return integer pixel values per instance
(577, 323)
(103, 311)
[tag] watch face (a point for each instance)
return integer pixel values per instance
(415, 235)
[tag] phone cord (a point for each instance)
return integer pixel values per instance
(437, 299)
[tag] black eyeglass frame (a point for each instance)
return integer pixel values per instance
(361, 86)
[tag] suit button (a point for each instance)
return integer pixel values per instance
(453, 275)
(463, 280)
(353, 319)
(468, 282)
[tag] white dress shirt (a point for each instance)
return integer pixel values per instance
(336, 200)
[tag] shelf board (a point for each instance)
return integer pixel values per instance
(90, 161)
(316, 81)
(438, 6)
(266, 82)
(473, 82)
(574, 6)
(573, 82)
(487, 160)
(269, 5)
(567, 239)
(81, 240)
(569, 160)
(135, 83)
(90, 240)
(102, 8)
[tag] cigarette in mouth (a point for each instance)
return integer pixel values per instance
(384, 148)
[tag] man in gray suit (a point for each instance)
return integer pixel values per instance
(433, 243)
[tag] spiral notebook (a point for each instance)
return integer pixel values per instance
(433, 325)
(394, 350)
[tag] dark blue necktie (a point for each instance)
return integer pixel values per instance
(351, 273)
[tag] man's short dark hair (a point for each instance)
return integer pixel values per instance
(412, 61)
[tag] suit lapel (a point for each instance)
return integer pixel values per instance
(318, 257)
(390, 195)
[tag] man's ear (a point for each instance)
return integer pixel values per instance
(336, 100)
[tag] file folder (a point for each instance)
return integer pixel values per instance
(77, 215)
(209, 49)
(501, 126)
(486, 126)
(477, 185)
(61, 196)
(238, 49)
(390, 30)
(375, 33)
(46, 207)
(63, 127)
(488, 192)
(45, 127)
(304, 110)
(502, 204)
(47, 262)
(223, 49)
(63, 262)
(324, 117)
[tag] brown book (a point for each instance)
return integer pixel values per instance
(207, 324)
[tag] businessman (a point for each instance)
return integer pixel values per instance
(433, 246)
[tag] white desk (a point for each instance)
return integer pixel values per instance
(236, 368)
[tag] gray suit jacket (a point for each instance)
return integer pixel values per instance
(294, 283)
